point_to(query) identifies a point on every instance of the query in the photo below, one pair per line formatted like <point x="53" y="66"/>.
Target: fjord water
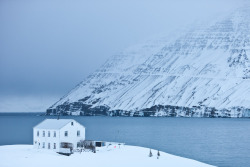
<point x="220" y="142"/>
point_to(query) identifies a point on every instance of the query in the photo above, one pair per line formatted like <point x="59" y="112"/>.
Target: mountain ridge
<point x="203" y="73"/>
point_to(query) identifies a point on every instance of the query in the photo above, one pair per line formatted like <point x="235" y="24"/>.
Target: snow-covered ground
<point x="126" y="156"/>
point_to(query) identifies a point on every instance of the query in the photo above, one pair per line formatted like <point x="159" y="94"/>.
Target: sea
<point x="223" y="142"/>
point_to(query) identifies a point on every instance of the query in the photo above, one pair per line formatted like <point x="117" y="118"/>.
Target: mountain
<point x="205" y="72"/>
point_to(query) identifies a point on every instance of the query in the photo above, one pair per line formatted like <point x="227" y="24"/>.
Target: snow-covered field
<point x="126" y="156"/>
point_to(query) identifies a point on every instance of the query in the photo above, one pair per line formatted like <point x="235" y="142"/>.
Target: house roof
<point x="53" y="123"/>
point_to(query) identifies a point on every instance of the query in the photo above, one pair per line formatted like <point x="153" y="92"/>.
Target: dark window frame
<point x="66" y="134"/>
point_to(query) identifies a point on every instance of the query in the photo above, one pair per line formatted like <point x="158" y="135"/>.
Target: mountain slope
<point x="205" y="72"/>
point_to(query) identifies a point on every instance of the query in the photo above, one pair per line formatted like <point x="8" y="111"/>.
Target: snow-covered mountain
<point x="204" y="73"/>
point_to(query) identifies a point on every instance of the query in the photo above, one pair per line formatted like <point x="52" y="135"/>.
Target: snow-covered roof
<point x="53" y="123"/>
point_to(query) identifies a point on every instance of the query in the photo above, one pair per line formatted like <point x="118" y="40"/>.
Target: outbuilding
<point x="60" y="135"/>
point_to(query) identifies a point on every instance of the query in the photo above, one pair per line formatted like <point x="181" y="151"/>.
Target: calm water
<point x="221" y="142"/>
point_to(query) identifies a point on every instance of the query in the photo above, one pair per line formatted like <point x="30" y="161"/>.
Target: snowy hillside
<point x="203" y="73"/>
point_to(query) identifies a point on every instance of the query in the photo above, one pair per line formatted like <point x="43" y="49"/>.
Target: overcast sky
<point x="49" y="46"/>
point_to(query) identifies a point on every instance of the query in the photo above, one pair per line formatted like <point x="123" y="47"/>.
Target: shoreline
<point x="41" y="114"/>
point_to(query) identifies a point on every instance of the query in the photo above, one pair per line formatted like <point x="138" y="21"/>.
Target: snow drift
<point x="27" y="156"/>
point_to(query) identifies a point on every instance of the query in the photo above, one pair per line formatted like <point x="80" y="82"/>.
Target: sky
<point x="48" y="46"/>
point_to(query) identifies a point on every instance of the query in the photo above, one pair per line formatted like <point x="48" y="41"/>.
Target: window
<point x="54" y="133"/>
<point x="72" y="123"/>
<point x="48" y="145"/>
<point x="48" y="133"/>
<point x="54" y="145"/>
<point x="66" y="133"/>
<point x="37" y="133"/>
<point x="43" y="144"/>
<point x="43" y="133"/>
<point x="78" y="133"/>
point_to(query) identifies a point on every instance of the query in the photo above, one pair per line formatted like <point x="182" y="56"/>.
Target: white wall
<point x="60" y="137"/>
<point x="40" y="139"/>
<point x="72" y="133"/>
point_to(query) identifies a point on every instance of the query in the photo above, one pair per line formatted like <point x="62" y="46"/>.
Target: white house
<point x="58" y="134"/>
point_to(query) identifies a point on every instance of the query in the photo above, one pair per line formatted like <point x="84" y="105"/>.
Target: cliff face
<point x="205" y="72"/>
